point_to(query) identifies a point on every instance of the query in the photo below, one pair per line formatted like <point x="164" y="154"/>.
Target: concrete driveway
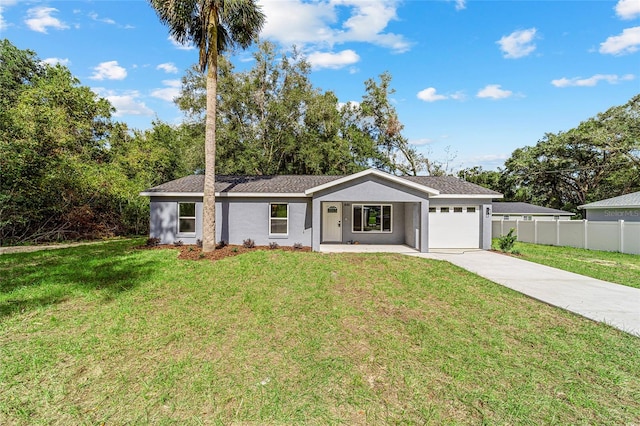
<point x="613" y="304"/>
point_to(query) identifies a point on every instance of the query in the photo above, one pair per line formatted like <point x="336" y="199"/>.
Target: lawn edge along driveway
<point x="613" y="304"/>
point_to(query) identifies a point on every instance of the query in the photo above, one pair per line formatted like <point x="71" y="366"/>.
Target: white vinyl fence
<point x="620" y="236"/>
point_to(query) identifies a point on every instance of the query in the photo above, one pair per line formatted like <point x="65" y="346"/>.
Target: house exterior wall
<point x="240" y="218"/>
<point x="614" y="214"/>
<point x="236" y="220"/>
<point x="164" y="219"/>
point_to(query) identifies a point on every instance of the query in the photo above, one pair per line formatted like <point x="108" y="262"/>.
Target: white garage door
<point x="454" y="227"/>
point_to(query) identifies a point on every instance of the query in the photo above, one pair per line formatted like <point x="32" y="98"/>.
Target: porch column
<point x="424" y="226"/>
<point x="315" y="224"/>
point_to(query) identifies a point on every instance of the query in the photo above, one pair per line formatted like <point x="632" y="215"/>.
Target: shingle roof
<point x="526" y="209"/>
<point x="297" y="184"/>
<point x="631" y="200"/>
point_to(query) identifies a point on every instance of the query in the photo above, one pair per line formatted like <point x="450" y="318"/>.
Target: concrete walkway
<point x="613" y="304"/>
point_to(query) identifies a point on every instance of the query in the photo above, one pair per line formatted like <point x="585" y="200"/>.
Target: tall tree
<point x="214" y="26"/>
<point x="598" y="159"/>
<point x="272" y="120"/>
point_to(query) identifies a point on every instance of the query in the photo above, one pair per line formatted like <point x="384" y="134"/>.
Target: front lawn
<point x="110" y="334"/>
<point x="614" y="267"/>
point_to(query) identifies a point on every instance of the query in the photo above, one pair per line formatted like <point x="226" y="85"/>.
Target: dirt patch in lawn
<point x="194" y="252"/>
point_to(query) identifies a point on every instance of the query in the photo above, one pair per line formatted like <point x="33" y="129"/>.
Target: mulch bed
<point x="193" y="252"/>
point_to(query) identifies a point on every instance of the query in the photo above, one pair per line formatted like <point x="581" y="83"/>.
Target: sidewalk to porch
<point x="366" y="248"/>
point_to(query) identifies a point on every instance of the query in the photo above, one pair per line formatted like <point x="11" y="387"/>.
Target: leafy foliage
<point x="598" y="159"/>
<point x="507" y="241"/>
<point x="67" y="170"/>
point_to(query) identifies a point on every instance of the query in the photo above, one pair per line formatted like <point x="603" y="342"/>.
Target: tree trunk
<point x="209" y="199"/>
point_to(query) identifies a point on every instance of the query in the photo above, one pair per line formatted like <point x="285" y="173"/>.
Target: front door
<point x="331" y="222"/>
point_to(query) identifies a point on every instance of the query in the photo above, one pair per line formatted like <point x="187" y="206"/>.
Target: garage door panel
<point x="455" y="228"/>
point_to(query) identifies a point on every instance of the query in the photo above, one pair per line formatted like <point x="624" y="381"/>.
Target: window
<point x="371" y="218"/>
<point x="527" y="217"/>
<point x="471" y="209"/>
<point x="186" y="218"/>
<point x="505" y="217"/>
<point x="432" y="209"/>
<point x="444" y="209"/>
<point x="457" y="209"/>
<point x="279" y="219"/>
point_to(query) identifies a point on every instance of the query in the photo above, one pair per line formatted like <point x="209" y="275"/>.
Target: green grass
<point x="614" y="267"/>
<point x="109" y="334"/>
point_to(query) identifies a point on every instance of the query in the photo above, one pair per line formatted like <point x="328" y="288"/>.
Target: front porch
<point x="367" y="248"/>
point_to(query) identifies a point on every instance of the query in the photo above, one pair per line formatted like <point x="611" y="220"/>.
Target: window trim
<point x="286" y="219"/>
<point x="181" y="233"/>
<point x="382" y="206"/>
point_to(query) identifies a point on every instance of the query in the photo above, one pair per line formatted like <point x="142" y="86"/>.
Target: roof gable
<point x="372" y="172"/>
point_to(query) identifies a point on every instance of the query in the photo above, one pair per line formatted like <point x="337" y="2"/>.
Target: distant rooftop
<point x="631" y="200"/>
<point x="515" y="208"/>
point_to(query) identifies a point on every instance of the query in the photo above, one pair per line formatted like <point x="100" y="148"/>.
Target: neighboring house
<point x="625" y="207"/>
<point x="369" y="207"/>
<point x="525" y="211"/>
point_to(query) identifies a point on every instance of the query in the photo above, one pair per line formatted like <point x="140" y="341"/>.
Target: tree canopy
<point x="598" y="159"/>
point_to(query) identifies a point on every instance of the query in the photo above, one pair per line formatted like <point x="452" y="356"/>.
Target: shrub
<point x="178" y="243"/>
<point x="248" y="243"/>
<point x="153" y="241"/>
<point x="273" y="245"/>
<point x="506" y="242"/>
<point x="298" y="246"/>
<point x="221" y="244"/>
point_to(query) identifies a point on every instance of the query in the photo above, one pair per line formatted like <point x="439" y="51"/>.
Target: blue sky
<point x="477" y="79"/>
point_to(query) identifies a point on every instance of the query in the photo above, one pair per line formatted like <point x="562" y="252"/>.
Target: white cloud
<point x="110" y="71"/>
<point x="95" y="17"/>
<point x="168" y="93"/>
<point x="461" y="4"/>
<point x="627" y="42"/>
<point x="55" y="61"/>
<point x="591" y="81"/>
<point x="429" y="95"/>
<point x="39" y="19"/>
<point x="333" y="60"/>
<point x="494" y="91"/>
<point x="3" y="24"/>
<point x="317" y="23"/>
<point x="168" y="67"/>
<point x="628" y="9"/>
<point x="518" y="44"/>
<point x="179" y="45"/>
<point x="126" y="103"/>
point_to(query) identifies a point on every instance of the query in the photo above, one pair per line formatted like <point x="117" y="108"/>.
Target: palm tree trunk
<point x="209" y="199"/>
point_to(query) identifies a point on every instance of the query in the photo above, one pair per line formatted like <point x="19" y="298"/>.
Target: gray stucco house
<point x="507" y="210"/>
<point x="369" y="207"/>
<point x="625" y="207"/>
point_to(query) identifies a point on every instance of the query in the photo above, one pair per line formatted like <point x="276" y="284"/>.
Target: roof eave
<point x="472" y="196"/>
<point x="227" y="194"/>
